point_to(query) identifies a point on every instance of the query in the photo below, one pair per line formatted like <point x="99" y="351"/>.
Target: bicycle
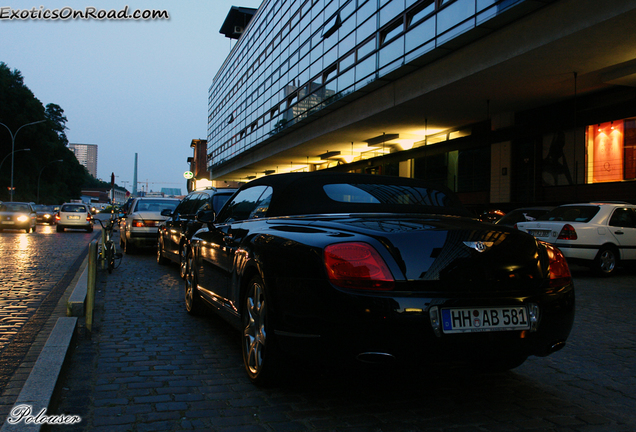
<point x="108" y="254"/>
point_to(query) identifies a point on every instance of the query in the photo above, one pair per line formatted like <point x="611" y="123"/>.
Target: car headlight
<point x="23" y="218"/>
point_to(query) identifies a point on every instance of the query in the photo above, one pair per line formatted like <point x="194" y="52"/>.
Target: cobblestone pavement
<point x="35" y="270"/>
<point x="149" y="366"/>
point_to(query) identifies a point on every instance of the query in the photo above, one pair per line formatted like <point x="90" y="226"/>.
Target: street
<point x="151" y="366"/>
<point x="35" y="269"/>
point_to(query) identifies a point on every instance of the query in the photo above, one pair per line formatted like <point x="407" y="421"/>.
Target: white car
<point x="598" y="235"/>
<point x="75" y="216"/>
<point x="140" y="224"/>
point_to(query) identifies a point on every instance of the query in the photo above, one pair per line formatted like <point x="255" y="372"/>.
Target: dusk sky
<point x="128" y="86"/>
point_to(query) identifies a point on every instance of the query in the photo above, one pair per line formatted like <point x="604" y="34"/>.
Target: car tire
<point x="161" y="260"/>
<point x="183" y="261"/>
<point x="606" y="261"/>
<point x="260" y="354"/>
<point x="193" y="302"/>
<point x="59" y="229"/>
<point x="89" y="229"/>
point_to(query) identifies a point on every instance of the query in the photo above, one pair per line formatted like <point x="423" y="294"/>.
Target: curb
<point x="76" y="304"/>
<point x="37" y="392"/>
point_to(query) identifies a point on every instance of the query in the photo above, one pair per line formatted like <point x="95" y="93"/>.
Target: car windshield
<point x="14" y="208"/>
<point x="571" y="214"/>
<point x="384" y="194"/>
<point x="73" y="208"/>
<point x="155" y="205"/>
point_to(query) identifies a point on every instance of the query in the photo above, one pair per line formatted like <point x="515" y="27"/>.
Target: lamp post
<point x="13" y="149"/>
<point x="39" y="175"/>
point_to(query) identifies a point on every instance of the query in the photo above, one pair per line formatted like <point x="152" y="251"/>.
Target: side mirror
<point x="206" y="216"/>
<point x="166" y="212"/>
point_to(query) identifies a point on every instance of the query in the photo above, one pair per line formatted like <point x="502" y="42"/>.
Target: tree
<point x="36" y="169"/>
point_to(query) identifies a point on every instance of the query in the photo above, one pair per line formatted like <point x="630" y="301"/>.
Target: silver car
<point x="75" y="216"/>
<point x="140" y="224"/>
<point x="17" y="215"/>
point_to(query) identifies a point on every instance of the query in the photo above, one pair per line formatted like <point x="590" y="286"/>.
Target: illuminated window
<point x="610" y="151"/>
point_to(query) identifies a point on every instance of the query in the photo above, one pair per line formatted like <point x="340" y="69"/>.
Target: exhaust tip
<point x="375" y="357"/>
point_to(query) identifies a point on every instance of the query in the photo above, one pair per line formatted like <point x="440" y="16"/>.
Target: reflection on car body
<point x="174" y="234"/>
<point x="374" y="267"/>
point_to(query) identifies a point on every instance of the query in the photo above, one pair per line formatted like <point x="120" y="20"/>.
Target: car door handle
<point x="619" y="232"/>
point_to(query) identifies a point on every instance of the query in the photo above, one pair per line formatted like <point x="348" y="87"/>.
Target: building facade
<point x="507" y="102"/>
<point x="86" y="154"/>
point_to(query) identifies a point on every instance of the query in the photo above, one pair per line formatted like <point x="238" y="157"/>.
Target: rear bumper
<point x="143" y="238"/>
<point x="400" y="328"/>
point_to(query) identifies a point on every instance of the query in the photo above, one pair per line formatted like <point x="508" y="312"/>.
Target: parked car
<point x="175" y="233"/>
<point x="45" y="214"/>
<point x="74" y="216"/>
<point x="374" y="268"/>
<point x="140" y="224"/>
<point x="525" y="214"/>
<point x="598" y="235"/>
<point x="17" y="215"/>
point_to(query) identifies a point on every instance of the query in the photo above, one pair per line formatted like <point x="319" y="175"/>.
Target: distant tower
<point x="134" y="185"/>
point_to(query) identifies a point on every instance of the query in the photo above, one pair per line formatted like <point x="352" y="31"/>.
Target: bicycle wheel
<point x="110" y="256"/>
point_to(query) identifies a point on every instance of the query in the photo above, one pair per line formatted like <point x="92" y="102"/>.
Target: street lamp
<point x="38" y="198"/>
<point x="13" y="148"/>
<point x="15" y="151"/>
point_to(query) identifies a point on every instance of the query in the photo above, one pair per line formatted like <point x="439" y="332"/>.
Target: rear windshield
<point x="73" y="208"/>
<point x="571" y="214"/>
<point x="155" y="205"/>
<point x="385" y="194"/>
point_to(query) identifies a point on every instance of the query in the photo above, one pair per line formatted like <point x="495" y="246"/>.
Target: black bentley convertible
<point x="374" y="268"/>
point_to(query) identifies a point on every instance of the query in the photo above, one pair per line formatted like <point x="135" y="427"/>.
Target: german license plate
<point x="74" y="217"/>
<point x="539" y="233"/>
<point x="471" y="320"/>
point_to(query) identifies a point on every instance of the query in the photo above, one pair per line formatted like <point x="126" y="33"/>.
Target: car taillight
<point x="57" y="216"/>
<point x="567" y="233"/>
<point x="138" y="223"/>
<point x="558" y="268"/>
<point x="357" y="265"/>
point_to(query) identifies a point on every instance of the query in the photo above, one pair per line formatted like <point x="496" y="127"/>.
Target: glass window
<point x="365" y="68"/>
<point x="247" y="204"/>
<point x="347" y="61"/>
<point x="624" y="218"/>
<point x="391" y="52"/>
<point x="391" y="32"/>
<point x="367" y="29"/>
<point x="420" y="34"/>
<point x="365" y="11"/>
<point x="455" y="14"/>
<point x="390" y="11"/>
<point x="366" y="49"/>
<point x="571" y="213"/>
<point x="385" y="194"/>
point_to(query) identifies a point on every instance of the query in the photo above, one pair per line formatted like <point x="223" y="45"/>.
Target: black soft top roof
<point x="303" y="193"/>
